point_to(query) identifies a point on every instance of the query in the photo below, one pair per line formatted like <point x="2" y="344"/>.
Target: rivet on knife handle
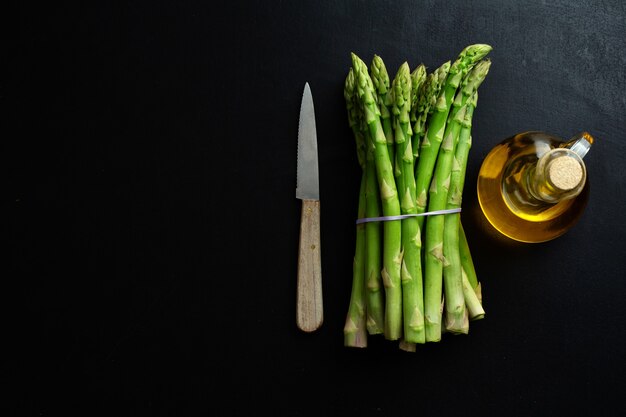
<point x="309" y="308"/>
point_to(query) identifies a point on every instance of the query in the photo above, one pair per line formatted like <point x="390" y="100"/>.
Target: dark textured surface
<point x="153" y="224"/>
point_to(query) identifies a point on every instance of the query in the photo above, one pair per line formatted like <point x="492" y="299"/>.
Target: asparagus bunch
<point x="413" y="136"/>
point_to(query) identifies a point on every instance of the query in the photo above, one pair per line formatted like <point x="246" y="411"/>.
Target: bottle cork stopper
<point x="565" y="173"/>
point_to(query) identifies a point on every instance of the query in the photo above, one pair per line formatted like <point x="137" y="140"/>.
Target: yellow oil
<point x="505" y="198"/>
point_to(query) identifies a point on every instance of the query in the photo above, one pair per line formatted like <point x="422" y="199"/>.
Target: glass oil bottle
<point x="533" y="187"/>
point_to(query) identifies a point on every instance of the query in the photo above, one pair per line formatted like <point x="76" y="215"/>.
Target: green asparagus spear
<point x="412" y="295"/>
<point x="433" y="235"/>
<point x="466" y="256"/>
<point x="452" y="269"/>
<point x="392" y="256"/>
<point x="458" y="290"/>
<point x="473" y="302"/>
<point x="381" y="81"/>
<point x="480" y="72"/>
<point x="429" y="147"/>
<point x="374" y="296"/>
<point x="355" y="333"/>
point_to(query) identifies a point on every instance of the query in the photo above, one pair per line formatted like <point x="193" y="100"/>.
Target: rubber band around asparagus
<point x="407" y="215"/>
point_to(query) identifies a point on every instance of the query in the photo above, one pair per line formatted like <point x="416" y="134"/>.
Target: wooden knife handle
<point x="309" y="309"/>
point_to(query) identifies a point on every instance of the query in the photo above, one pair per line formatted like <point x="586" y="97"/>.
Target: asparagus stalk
<point x="455" y="279"/>
<point x="381" y="81"/>
<point x="455" y="308"/>
<point x="426" y="100"/>
<point x="473" y="302"/>
<point x="355" y="333"/>
<point x="374" y="296"/>
<point x="468" y="264"/>
<point x="374" y="300"/>
<point x="429" y="147"/>
<point x="392" y="256"/>
<point x="452" y="269"/>
<point x="433" y="255"/>
<point x="466" y="256"/>
<point x="411" y="275"/>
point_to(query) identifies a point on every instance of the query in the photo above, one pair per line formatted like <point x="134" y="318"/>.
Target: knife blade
<point x="309" y="303"/>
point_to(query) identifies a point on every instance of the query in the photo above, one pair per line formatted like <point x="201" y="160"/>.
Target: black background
<point x="150" y="154"/>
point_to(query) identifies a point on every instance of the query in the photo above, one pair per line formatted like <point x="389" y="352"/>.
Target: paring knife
<point x="309" y="305"/>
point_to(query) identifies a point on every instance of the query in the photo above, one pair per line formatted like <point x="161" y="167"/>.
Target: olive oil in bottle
<point x="533" y="186"/>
